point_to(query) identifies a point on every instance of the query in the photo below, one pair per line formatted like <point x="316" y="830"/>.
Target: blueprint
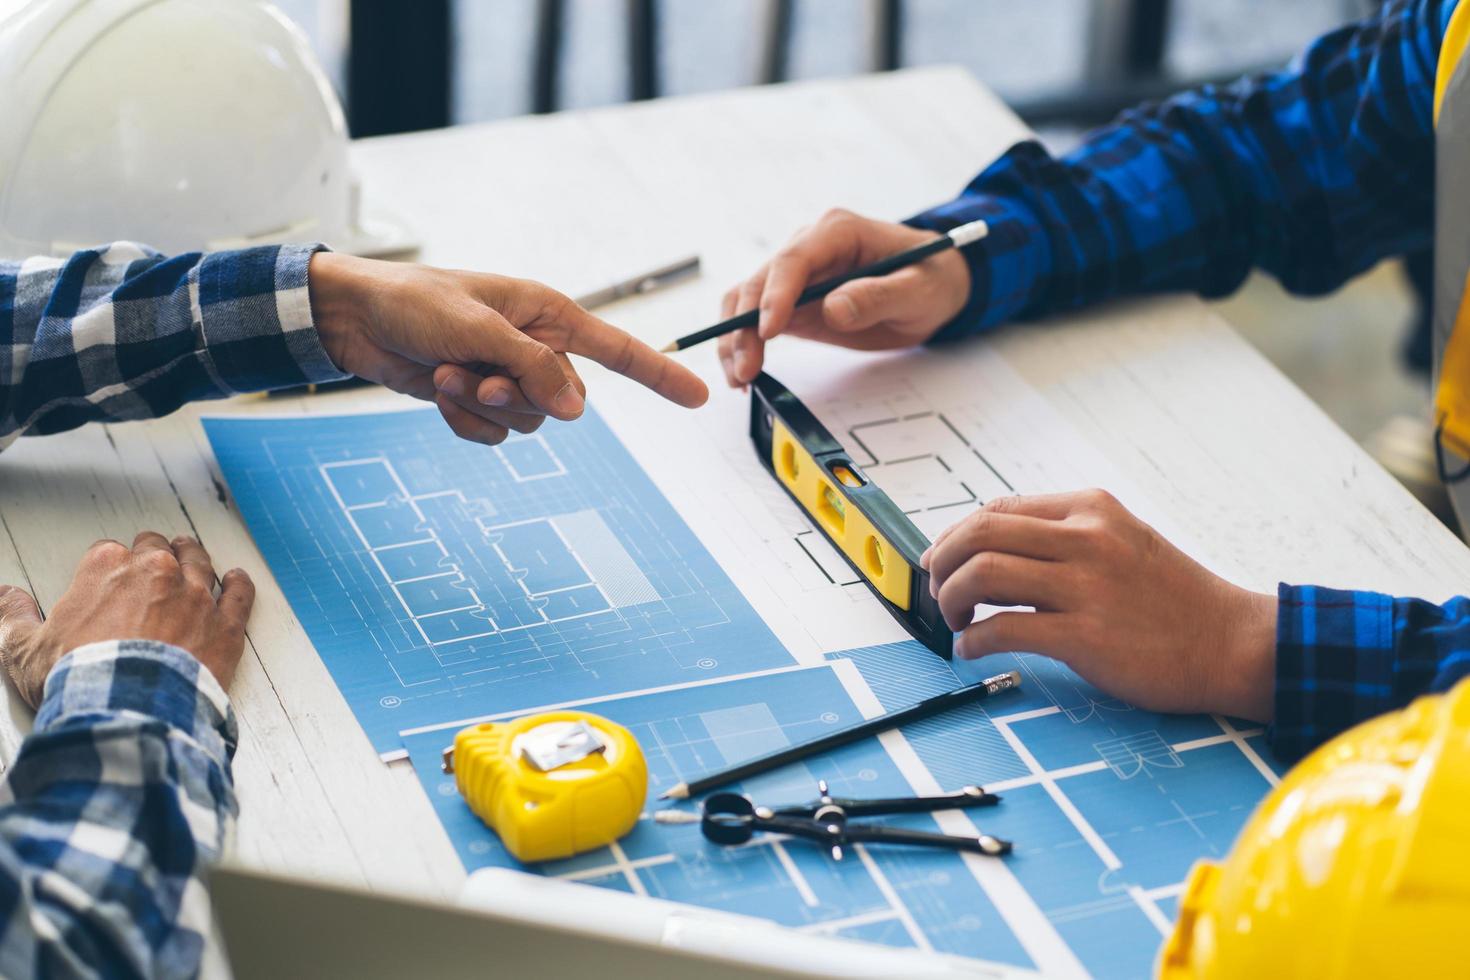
<point x="445" y="583"/>
<point x="441" y="579"/>
<point x="1107" y="806"/>
<point x="907" y="897"/>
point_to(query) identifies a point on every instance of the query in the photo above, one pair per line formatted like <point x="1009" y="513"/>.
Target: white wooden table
<point x="1268" y="487"/>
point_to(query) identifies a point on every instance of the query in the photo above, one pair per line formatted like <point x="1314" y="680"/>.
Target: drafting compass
<point x="731" y="819"/>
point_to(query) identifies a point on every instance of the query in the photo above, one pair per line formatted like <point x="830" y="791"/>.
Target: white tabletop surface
<point x="1266" y="485"/>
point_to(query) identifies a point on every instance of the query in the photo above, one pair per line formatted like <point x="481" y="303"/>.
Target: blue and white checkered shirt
<point x="120" y="332"/>
<point x="115" y="805"/>
<point x="122" y="795"/>
<point x="1313" y="173"/>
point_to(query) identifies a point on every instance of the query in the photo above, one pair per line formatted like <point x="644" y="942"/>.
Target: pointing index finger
<point x="620" y="351"/>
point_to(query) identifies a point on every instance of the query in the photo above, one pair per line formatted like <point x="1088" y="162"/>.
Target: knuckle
<point x="789" y="255"/>
<point x="1098" y="499"/>
<point x="836" y="216"/>
<point x="106" y="548"/>
<point x="159" y="563"/>
<point x="545" y="359"/>
<point x="1000" y="505"/>
<point x="982" y="524"/>
<point x="1090" y="531"/>
<point x="872" y="293"/>
<point x="555" y="304"/>
<point x="622" y="361"/>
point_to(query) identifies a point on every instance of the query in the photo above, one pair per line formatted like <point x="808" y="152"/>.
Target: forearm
<point x="119" y="333"/>
<point x="1345" y="657"/>
<point x="111" y="812"/>
<point x="1313" y="173"/>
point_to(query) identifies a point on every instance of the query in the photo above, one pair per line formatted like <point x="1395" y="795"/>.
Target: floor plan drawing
<point x="445" y="584"/>
<point x="1110" y="805"/>
<point x="920" y="460"/>
<point x="1107" y="809"/>
<point x="909" y="897"/>
<point x="439" y="579"/>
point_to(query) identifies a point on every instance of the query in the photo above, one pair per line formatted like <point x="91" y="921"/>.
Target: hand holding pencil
<point x="871" y="312"/>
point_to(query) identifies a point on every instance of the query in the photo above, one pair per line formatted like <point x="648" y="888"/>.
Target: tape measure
<point x="551" y="785"/>
<point x="877" y="538"/>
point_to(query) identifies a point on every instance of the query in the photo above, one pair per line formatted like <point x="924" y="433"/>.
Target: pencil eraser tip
<point x="968" y="233"/>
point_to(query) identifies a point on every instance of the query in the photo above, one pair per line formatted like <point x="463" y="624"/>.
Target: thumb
<point x="20" y="617"/>
<point x="865" y="303"/>
<point x="542" y="378"/>
<point x="19" y="614"/>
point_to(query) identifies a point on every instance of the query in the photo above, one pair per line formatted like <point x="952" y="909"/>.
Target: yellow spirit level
<point x="877" y="539"/>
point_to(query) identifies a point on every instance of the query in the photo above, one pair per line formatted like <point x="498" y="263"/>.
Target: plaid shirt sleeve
<point x="114" y="806"/>
<point x="1313" y="173"/>
<point x="1344" y="657"/>
<point x="121" y="332"/>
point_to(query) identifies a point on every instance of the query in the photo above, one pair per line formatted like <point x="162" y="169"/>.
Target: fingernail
<point x="924" y="558"/>
<point x="453" y="385"/>
<point x="498" y="397"/>
<point x="844" y="309"/>
<point x="569" y="400"/>
<point x="741" y="359"/>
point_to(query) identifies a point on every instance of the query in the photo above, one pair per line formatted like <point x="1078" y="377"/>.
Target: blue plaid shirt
<point x="115" y="804"/>
<point x="1313" y="174"/>
<point x="122" y="795"/>
<point x="121" y="332"/>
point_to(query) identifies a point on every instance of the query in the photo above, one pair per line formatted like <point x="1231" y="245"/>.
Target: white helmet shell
<point x="184" y="124"/>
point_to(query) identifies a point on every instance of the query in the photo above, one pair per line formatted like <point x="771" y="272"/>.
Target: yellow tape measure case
<point x="551" y="785"/>
<point x="875" y="537"/>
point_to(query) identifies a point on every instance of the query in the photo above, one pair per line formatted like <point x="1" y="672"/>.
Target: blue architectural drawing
<point x="1104" y="833"/>
<point x="1109" y="805"/>
<point x="442" y="581"/>
<point x="439" y="579"/>
<point x="898" y="896"/>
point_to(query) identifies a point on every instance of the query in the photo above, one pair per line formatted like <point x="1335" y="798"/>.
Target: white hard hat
<point x="184" y="124"/>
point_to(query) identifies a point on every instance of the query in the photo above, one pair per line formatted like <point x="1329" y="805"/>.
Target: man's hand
<point x="901" y="309"/>
<point x="1114" y="601"/>
<point x="155" y="590"/>
<point x="490" y="351"/>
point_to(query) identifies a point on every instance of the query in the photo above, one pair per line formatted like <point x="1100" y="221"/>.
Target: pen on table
<point x="645" y="282"/>
<point x="955" y="238"/>
<point x="871" y="726"/>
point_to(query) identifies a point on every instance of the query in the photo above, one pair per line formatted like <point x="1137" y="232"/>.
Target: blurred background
<point x="1064" y="65"/>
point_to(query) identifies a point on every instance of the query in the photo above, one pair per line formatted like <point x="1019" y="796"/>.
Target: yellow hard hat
<point x="1357" y="865"/>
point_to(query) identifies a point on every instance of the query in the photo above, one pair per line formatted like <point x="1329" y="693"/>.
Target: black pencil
<point x="872" y="726"/>
<point x="955" y="238"/>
